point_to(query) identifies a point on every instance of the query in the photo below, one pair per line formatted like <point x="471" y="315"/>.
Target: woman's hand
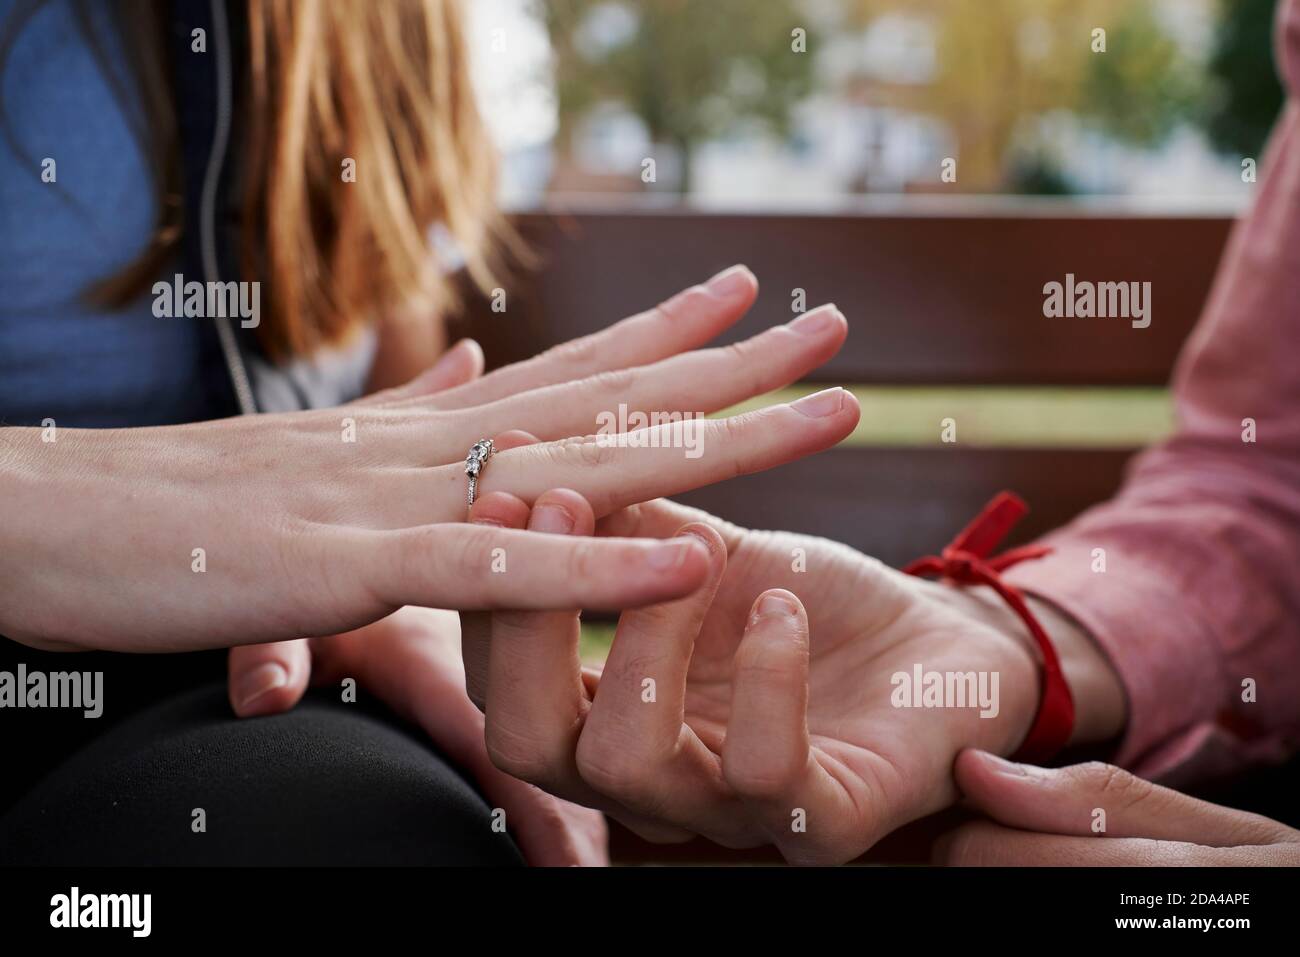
<point x="411" y="661"/>
<point x="274" y="527"/>
<point x="737" y="714"/>
<point x="1096" y="814"/>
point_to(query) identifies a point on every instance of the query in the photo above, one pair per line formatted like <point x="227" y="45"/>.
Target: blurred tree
<point x="1001" y="64"/>
<point x="1143" y="86"/>
<point x="692" y="70"/>
<point x="1247" y="95"/>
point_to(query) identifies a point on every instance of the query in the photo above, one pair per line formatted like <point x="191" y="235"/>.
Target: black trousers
<point x="327" y="783"/>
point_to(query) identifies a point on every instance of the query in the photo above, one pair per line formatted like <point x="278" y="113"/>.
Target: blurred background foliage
<point x="719" y="93"/>
<point x="1246" y="96"/>
<point x="693" y="69"/>
<point x="1004" y="63"/>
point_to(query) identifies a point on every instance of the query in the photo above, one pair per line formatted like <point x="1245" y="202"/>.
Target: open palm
<point x="737" y="714"/>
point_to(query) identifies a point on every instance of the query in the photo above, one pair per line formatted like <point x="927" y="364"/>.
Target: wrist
<point x="1099" y="700"/>
<point x="1100" y="704"/>
<point x="29" y="513"/>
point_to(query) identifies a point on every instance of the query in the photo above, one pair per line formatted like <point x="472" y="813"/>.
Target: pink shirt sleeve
<point x="1201" y="588"/>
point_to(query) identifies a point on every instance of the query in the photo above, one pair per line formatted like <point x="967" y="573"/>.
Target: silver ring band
<point x="479" y="453"/>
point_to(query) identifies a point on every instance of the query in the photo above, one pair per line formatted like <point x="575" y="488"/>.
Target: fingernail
<point x="699" y="537"/>
<point x="668" y="555"/>
<point x="775" y="606"/>
<point x="472" y="347"/>
<point x="261" y="680"/>
<point x="455" y="353"/>
<point x="1003" y="766"/>
<point x="731" y="282"/>
<point x="820" y="404"/>
<point x="552" y="519"/>
<point x="816" y="322"/>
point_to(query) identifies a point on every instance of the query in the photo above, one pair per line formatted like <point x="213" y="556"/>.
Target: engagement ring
<point x="479" y="453"/>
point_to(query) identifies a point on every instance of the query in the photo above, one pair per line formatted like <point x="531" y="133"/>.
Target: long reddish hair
<point x="387" y="86"/>
<point x="382" y="87"/>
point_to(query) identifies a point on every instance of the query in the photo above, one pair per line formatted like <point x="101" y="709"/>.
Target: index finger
<point x="470" y="567"/>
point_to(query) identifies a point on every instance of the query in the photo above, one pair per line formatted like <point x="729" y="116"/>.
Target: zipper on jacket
<point x="208" y="206"/>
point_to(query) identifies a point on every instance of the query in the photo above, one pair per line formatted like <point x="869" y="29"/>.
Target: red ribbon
<point x="966" y="561"/>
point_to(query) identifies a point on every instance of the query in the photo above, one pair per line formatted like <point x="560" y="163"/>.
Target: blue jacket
<point x="78" y="203"/>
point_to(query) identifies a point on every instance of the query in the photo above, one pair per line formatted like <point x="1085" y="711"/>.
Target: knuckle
<point x="576" y="353"/>
<point x="767" y="662"/>
<point x="562" y="453"/>
<point x="614" y="381"/>
<point x="744" y="362"/>
<point x="729" y="430"/>
<point x="739" y="353"/>
<point x="765" y="777"/>
<point x="614" y="768"/>
<point x="1110" y="779"/>
<point x="1113" y="783"/>
<point x="734" y="432"/>
<point x="514" y="627"/>
<point x="587" y="454"/>
<point x="405" y="560"/>
<point x="750" y="362"/>
<point x="532" y="757"/>
<point x="415" y="554"/>
<point x="683" y="303"/>
<point x="626" y="677"/>
<point x="446" y="554"/>
<point x="553" y="455"/>
<point x="457" y="552"/>
<point x="583" y="564"/>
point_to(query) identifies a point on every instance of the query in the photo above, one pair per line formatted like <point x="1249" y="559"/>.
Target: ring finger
<point x="612" y="473"/>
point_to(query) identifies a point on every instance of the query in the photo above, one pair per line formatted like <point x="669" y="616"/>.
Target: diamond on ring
<point x="479" y="453"/>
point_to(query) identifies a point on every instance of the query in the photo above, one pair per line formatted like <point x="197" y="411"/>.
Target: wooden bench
<point x="931" y="299"/>
<point x="947" y="296"/>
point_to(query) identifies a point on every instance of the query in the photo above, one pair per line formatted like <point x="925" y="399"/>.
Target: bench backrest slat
<point x="931" y="300"/>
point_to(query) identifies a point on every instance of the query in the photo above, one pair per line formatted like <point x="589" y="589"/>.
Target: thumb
<point x="1096" y="798"/>
<point x="767" y="755"/>
<point x="268" y="679"/>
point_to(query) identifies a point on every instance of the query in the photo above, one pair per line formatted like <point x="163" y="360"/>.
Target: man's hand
<point x="411" y="661"/>
<point x="737" y="714"/>
<point x="1096" y="814"/>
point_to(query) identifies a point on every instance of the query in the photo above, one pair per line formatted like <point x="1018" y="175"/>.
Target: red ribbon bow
<point x="966" y="561"/>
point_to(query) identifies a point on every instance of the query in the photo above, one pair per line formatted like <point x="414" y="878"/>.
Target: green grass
<point x="597" y="636"/>
<point x="1001" y="417"/>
